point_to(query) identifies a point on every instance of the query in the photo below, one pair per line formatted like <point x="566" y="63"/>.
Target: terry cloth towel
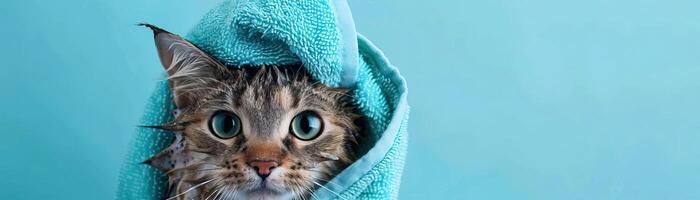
<point x="320" y="35"/>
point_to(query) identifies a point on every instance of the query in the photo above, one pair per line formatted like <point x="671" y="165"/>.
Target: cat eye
<point x="224" y="124"/>
<point x="306" y="125"/>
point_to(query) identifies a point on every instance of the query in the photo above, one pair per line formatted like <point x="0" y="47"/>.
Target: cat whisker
<point x="224" y="193"/>
<point x="324" y="187"/>
<point x="199" y="163"/>
<point x="192" y="188"/>
<point x="184" y="168"/>
<point x="295" y="194"/>
<point x="218" y="194"/>
<point x="235" y="194"/>
<point x="298" y="193"/>
<point x="311" y="191"/>
<point x="216" y="189"/>
<point x="328" y="181"/>
<point x="212" y="193"/>
<point x="319" y="171"/>
<point x="231" y="193"/>
<point x="203" y="170"/>
<point x="313" y="196"/>
<point x="165" y="127"/>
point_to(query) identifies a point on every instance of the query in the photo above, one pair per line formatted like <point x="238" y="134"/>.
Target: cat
<point x="255" y="132"/>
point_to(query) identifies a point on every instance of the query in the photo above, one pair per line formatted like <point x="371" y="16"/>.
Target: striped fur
<point x="266" y="98"/>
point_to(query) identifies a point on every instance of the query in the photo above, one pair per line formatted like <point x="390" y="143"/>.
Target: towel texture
<point x="321" y="36"/>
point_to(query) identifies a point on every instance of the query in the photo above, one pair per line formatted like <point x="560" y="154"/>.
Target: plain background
<point x="538" y="99"/>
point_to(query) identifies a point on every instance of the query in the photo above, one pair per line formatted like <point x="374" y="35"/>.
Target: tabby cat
<point x="256" y="132"/>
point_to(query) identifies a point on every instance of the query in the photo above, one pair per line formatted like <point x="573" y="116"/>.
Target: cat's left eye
<point x="307" y="125"/>
<point x="224" y="124"/>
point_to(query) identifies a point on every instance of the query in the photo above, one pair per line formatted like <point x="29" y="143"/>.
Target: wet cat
<point x="264" y="132"/>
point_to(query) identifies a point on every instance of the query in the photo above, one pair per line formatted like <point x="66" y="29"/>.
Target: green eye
<point x="307" y="125"/>
<point x="224" y="124"/>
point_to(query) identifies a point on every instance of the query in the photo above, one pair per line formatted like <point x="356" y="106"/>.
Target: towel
<point x="320" y="35"/>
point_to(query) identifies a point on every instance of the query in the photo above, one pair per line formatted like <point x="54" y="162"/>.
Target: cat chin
<point x="265" y="194"/>
<point x="264" y="190"/>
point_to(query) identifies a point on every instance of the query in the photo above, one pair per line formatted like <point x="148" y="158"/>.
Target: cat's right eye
<point x="224" y="124"/>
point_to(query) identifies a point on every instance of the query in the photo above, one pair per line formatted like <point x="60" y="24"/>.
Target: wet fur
<point x="200" y="165"/>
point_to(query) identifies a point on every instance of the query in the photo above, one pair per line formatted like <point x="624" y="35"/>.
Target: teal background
<point x="539" y="99"/>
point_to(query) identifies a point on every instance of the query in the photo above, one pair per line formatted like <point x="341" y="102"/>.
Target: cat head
<point x="266" y="132"/>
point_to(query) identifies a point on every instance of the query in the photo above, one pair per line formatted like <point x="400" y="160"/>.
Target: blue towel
<point x="320" y="35"/>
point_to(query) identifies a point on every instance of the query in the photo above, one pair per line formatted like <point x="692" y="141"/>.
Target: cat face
<point x="263" y="133"/>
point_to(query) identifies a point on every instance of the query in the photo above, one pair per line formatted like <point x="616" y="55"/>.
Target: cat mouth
<point x="264" y="190"/>
<point x="266" y="186"/>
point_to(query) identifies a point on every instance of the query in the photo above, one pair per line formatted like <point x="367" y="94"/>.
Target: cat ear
<point x="190" y="70"/>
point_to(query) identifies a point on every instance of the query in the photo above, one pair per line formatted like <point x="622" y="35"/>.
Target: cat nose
<point x="263" y="168"/>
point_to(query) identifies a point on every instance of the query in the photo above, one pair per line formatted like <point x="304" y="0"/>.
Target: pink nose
<point x="263" y="167"/>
